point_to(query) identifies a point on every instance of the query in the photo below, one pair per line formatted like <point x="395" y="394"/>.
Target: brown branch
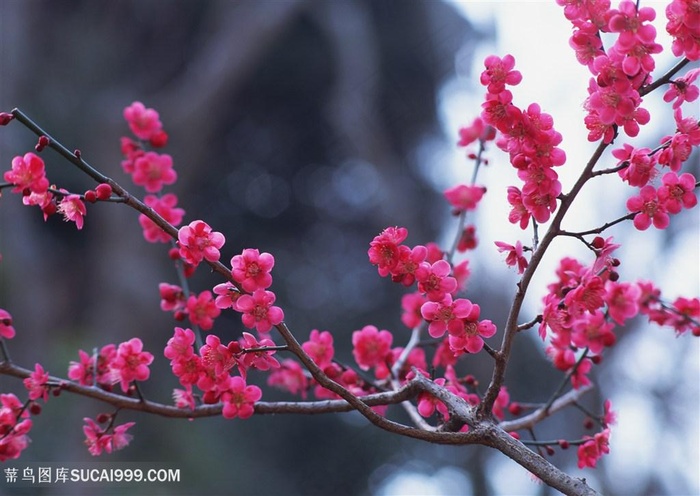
<point x="530" y="420"/>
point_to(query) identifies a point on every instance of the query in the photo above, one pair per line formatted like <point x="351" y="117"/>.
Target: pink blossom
<point x="688" y="126"/>
<point x="686" y="315"/>
<point x="603" y="251"/>
<point x="37" y="384"/>
<point x="593" y="449"/>
<point x="217" y="358"/>
<point x="290" y="377"/>
<point x="411" y="304"/>
<point x="239" y="399"/>
<point x="165" y="207"/>
<point x="684" y="26"/>
<point x="27" y="173"/>
<point x="143" y="122"/>
<point x="683" y="90"/>
<point x="320" y="347"/>
<point x="6" y="329"/>
<point x="251" y="269"/>
<point x="172" y="298"/>
<point x="578" y="12"/>
<point x="609" y="416"/>
<point x="409" y="260"/>
<point x="515" y="255"/>
<point x="468" y="239"/>
<point x="592" y="331"/>
<point x="461" y="273"/>
<point x="184" y="398"/>
<point x="73" y="209"/>
<point x="519" y="214"/>
<point x="152" y="170"/>
<point x="446" y="315"/>
<point x="14" y="425"/>
<point x="636" y="42"/>
<point x="427" y="403"/>
<point x="87" y="373"/>
<point x="181" y="345"/>
<point x="629" y="22"/>
<point x="501" y="403"/>
<point x="188" y="369"/>
<point x="477" y="130"/>
<point x="435" y="280"/>
<point x="415" y="358"/>
<point x="131" y="363"/>
<point x="120" y="439"/>
<point x="639" y="164"/>
<point x="198" y="241"/>
<point x="541" y="201"/>
<point x="99" y="440"/>
<point x="202" y="310"/>
<point x="586" y="296"/>
<point x="464" y="197"/>
<point x="676" y="150"/>
<point x="259" y="360"/>
<point x="96" y="439"/>
<point x="227" y="295"/>
<point x="370" y="346"/>
<point x="587" y="44"/>
<point x="384" y="249"/>
<point x="648" y="208"/>
<point x="258" y="311"/>
<point x="622" y="300"/>
<point x="498" y="111"/>
<point x="444" y="356"/>
<point x="677" y="192"/>
<point x="499" y="72"/>
<point x="470" y="337"/>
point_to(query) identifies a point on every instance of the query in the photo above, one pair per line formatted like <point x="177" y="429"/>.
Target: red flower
<point x="258" y="311"/>
<point x="131" y="363"/>
<point x="37" y="384"/>
<point x="251" y="269"/>
<point x="239" y="399"/>
<point x="198" y="241"/>
<point x="371" y="346"/>
<point x="152" y="170"/>
<point x="648" y="208"/>
<point x="143" y="122"/>
<point x="6" y="329"/>
<point x="384" y="249"/>
<point x="202" y="310"/>
<point x="165" y="207"/>
<point x="320" y="347"/>
<point x="595" y="447"/>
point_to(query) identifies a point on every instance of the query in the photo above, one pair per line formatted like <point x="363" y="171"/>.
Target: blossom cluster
<point x="28" y="178"/>
<point x="531" y="141"/>
<point x="210" y="369"/>
<point x="15" y="424"/>
<point x="639" y="166"/>
<point x="121" y="364"/>
<point x="434" y="300"/>
<point x="111" y="438"/>
<point x="582" y="308"/>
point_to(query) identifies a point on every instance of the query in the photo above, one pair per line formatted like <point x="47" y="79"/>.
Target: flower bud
<point x="5" y="118"/>
<point x="90" y="196"/>
<point x="104" y="191"/>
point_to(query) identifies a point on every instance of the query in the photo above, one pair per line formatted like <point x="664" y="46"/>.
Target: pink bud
<point x="104" y="191"/>
<point x="42" y="143"/>
<point x="90" y="196"/>
<point x="5" y="118"/>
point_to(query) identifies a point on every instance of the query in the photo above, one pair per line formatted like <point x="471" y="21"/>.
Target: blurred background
<point x="303" y="128"/>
